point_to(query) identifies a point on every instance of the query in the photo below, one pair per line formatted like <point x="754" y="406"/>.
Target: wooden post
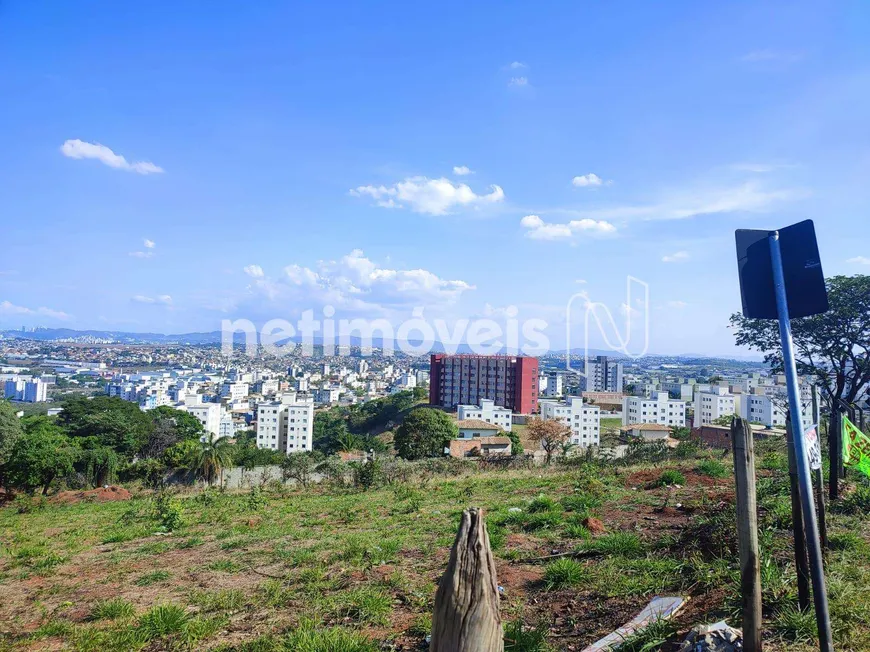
<point x="834" y="447"/>
<point x="747" y="532"/>
<point x="820" y="506"/>
<point x="466" y="617"/>
<point x="797" y="519"/>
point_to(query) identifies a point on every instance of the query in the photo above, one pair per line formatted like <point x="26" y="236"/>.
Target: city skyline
<point x="257" y="162"/>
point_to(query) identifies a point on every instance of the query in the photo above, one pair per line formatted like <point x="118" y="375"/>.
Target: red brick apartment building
<point x="508" y="380"/>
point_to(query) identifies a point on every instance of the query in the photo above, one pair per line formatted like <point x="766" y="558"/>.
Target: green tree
<point x="833" y="347"/>
<point x="299" y="466"/>
<point x="115" y="423"/>
<point x="213" y="456"/>
<point x="170" y="427"/>
<point x="10" y="432"/>
<point x="516" y="444"/>
<point x="424" y="433"/>
<point x="181" y="455"/>
<point x="40" y="455"/>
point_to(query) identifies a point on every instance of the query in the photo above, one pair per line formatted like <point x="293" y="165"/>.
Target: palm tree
<point x="213" y="455"/>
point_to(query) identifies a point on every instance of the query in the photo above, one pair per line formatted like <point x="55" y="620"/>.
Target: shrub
<point x="170" y="513"/>
<point x="563" y="573"/>
<point x="671" y="477"/>
<point x="112" y="609"/>
<point x="712" y="468"/>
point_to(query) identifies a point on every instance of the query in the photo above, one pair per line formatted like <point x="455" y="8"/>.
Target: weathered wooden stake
<point x="747" y="532"/>
<point x="466" y="617"/>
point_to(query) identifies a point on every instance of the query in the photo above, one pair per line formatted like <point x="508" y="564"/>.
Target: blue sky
<point x="464" y="157"/>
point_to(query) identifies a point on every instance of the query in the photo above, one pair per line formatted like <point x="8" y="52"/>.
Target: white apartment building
<point x="712" y="404"/>
<point x="327" y="395"/>
<point x="27" y="389"/>
<point x="234" y="391"/>
<point x="583" y="419"/>
<point x="488" y="412"/>
<point x="285" y="426"/>
<point x="404" y="383"/>
<point x="656" y="409"/>
<point x="209" y="415"/>
<point x="764" y="409"/>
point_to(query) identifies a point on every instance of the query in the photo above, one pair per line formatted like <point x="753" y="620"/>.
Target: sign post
<point x="781" y="278"/>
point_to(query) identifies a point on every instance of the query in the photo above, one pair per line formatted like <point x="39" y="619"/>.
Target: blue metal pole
<point x="820" y="595"/>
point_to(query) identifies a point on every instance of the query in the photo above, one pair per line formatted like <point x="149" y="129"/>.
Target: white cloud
<point x="580" y="281"/>
<point x="750" y="197"/>
<point x="859" y="260"/>
<point x="676" y="257"/>
<point x="7" y="307"/>
<point x="517" y="65"/>
<point x="80" y="149"/>
<point x="587" y="180"/>
<point x="254" y="271"/>
<point x="356" y="283"/>
<point x="677" y="304"/>
<point x="141" y="254"/>
<point x="538" y="229"/>
<point x="429" y="196"/>
<point x="462" y="170"/>
<point x="518" y="82"/>
<point x="149" y="244"/>
<point x="162" y="299"/>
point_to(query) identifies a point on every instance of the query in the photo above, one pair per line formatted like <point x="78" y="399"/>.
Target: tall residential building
<point x="657" y="409"/>
<point x="209" y="415"/>
<point x="29" y="390"/>
<point x="712" y="404"/>
<point x="487" y="412"/>
<point x="509" y="381"/>
<point x="583" y="419"/>
<point x="602" y="374"/>
<point x="554" y="385"/>
<point x="234" y="391"/>
<point x="285" y="426"/>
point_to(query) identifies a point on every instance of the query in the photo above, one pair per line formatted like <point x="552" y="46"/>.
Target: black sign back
<point x="802" y="267"/>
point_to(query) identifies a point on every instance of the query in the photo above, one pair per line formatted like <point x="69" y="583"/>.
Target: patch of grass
<point x="792" y="624"/>
<point x="580" y="502"/>
<point x="112" y="609"/>
<point x="53" y="628"/>
<point x="518" y="638"/>
<point x="563" y="573"/>
<point x="224" y="600"/>
<point x="310" y="638"/>
<point x="225" y="566"/>
<point x="153" y="578"/>
<point x="540" y="504"/>
<point x="712" y="468"/>
<point x="364" y="605"/>
<point x="626" y="544"/>
<point x="671" y="477"/>
<point x="163" y="620"/>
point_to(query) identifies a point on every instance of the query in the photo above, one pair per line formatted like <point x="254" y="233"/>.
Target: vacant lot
<point x="329" y="569"/>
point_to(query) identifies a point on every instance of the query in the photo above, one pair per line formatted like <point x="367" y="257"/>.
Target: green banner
<point x="856" y="447"/>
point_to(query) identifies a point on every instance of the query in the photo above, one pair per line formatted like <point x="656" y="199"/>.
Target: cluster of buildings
<point x="278" y="404"/>
<point x="492" y="392"/>
<point x="24" y="388"/>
